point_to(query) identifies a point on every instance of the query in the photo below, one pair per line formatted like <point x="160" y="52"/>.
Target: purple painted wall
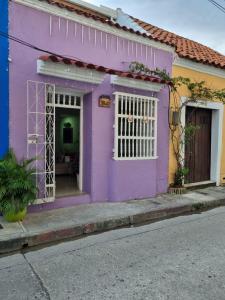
<point x="104" y="178"/>
<point x="128" y="179"/>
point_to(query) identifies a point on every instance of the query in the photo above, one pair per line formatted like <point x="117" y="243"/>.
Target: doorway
<point x="45" y="139"/>
<point x="67" y="151"/>
<point x="198" y="150"/>
<point x="68" y="143"/>
<point x="216" y="134"/>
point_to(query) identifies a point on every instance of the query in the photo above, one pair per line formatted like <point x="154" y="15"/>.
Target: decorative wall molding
<point x="63" y="13"/>
<point x="69" y="72"/>
<point x="136" y="83"/>
<point x="199" y="67"/>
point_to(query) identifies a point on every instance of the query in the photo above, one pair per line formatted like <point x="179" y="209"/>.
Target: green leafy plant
<point x="17" y="186"/>
<point x="137" y="67"/>
<point x="179" y="176"/>
<point x="189" y="132"/>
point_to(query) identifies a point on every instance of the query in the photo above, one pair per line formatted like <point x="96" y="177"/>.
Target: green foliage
<point x="197" y="90"/>
<point x="137" y="67"/>
<point x="17" y="186"/>
<point x="179" y="176"/>
<point x="162" y="74"/>
<point x="189" y="132"/>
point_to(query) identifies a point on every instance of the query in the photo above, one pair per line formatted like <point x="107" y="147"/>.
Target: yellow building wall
<point x="212" y="82"/>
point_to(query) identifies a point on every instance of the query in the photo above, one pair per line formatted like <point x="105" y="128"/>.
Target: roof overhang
<point x="71" y="72"/>
<point x="199" y="67"/>
<point x="67" y="68"/>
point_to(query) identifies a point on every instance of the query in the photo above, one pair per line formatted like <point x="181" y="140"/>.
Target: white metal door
<point x="41" y="136"/>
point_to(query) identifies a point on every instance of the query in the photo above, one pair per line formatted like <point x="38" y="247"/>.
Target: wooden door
<point x="198" y="150"/>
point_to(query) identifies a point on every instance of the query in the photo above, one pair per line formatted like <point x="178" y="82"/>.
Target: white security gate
<point x="41" y="136"/>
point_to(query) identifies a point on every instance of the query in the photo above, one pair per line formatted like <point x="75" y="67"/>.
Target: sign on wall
<point x="104" y="101"/>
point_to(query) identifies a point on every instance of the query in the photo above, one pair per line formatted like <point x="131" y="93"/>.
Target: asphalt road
<point x="181" y="258"/>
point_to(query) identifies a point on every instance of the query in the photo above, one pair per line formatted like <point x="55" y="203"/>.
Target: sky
<point x="198" y="20"/>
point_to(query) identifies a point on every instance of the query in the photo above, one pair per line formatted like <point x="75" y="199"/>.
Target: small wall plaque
<point x="104" y="101"/>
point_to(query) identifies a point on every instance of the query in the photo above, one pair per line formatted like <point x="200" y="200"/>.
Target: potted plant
<point x="17" y="187"/>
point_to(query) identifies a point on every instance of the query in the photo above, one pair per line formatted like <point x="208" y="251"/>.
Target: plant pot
<point x="177" y="190"/>
<point x="15" y="217"/>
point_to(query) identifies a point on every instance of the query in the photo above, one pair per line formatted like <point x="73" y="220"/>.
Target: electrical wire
<point x="216" y="4"/>
<point x="26" y="44"/>
<point x="5" y="35"/>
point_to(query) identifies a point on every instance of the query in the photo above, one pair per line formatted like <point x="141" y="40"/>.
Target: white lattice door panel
<point x="41" y="136"/>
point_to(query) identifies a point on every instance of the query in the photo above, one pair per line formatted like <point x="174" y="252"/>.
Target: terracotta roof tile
<point x="81" y="64"/>
<point x="184" y="47"/>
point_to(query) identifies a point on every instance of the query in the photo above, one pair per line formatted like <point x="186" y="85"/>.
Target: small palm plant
<point x="17" y="186"/>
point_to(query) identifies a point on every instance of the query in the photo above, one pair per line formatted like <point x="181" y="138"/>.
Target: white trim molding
<point x="216" y="134"/>
<point x="66" y="14"/>
<point x="69" y="72"/>
<point x="199" y="67"/>
<point x="136" y="83"/>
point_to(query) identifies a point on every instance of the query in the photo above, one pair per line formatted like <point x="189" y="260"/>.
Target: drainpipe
<point x="4" y="80"/>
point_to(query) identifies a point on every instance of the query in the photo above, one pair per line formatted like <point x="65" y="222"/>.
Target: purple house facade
<point x="100" y="132"/>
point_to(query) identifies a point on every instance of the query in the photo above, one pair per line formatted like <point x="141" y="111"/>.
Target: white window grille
<point x="135" y="127"/>
<point x="67" y="99"/>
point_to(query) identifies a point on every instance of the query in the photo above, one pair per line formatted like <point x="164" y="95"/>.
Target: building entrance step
<point x="199" y="185"/>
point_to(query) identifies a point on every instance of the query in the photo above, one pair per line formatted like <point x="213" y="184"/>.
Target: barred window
<point x="135" y="127"/>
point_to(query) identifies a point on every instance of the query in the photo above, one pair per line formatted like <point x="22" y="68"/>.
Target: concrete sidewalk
<point x="76" y="222"/>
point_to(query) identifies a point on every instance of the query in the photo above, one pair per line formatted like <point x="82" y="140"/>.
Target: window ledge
<point x="135" y="158"/>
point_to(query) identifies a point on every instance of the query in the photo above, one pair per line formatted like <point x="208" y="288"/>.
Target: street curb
<point x="204" y="205"/>
<point x="80" y="231"/>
